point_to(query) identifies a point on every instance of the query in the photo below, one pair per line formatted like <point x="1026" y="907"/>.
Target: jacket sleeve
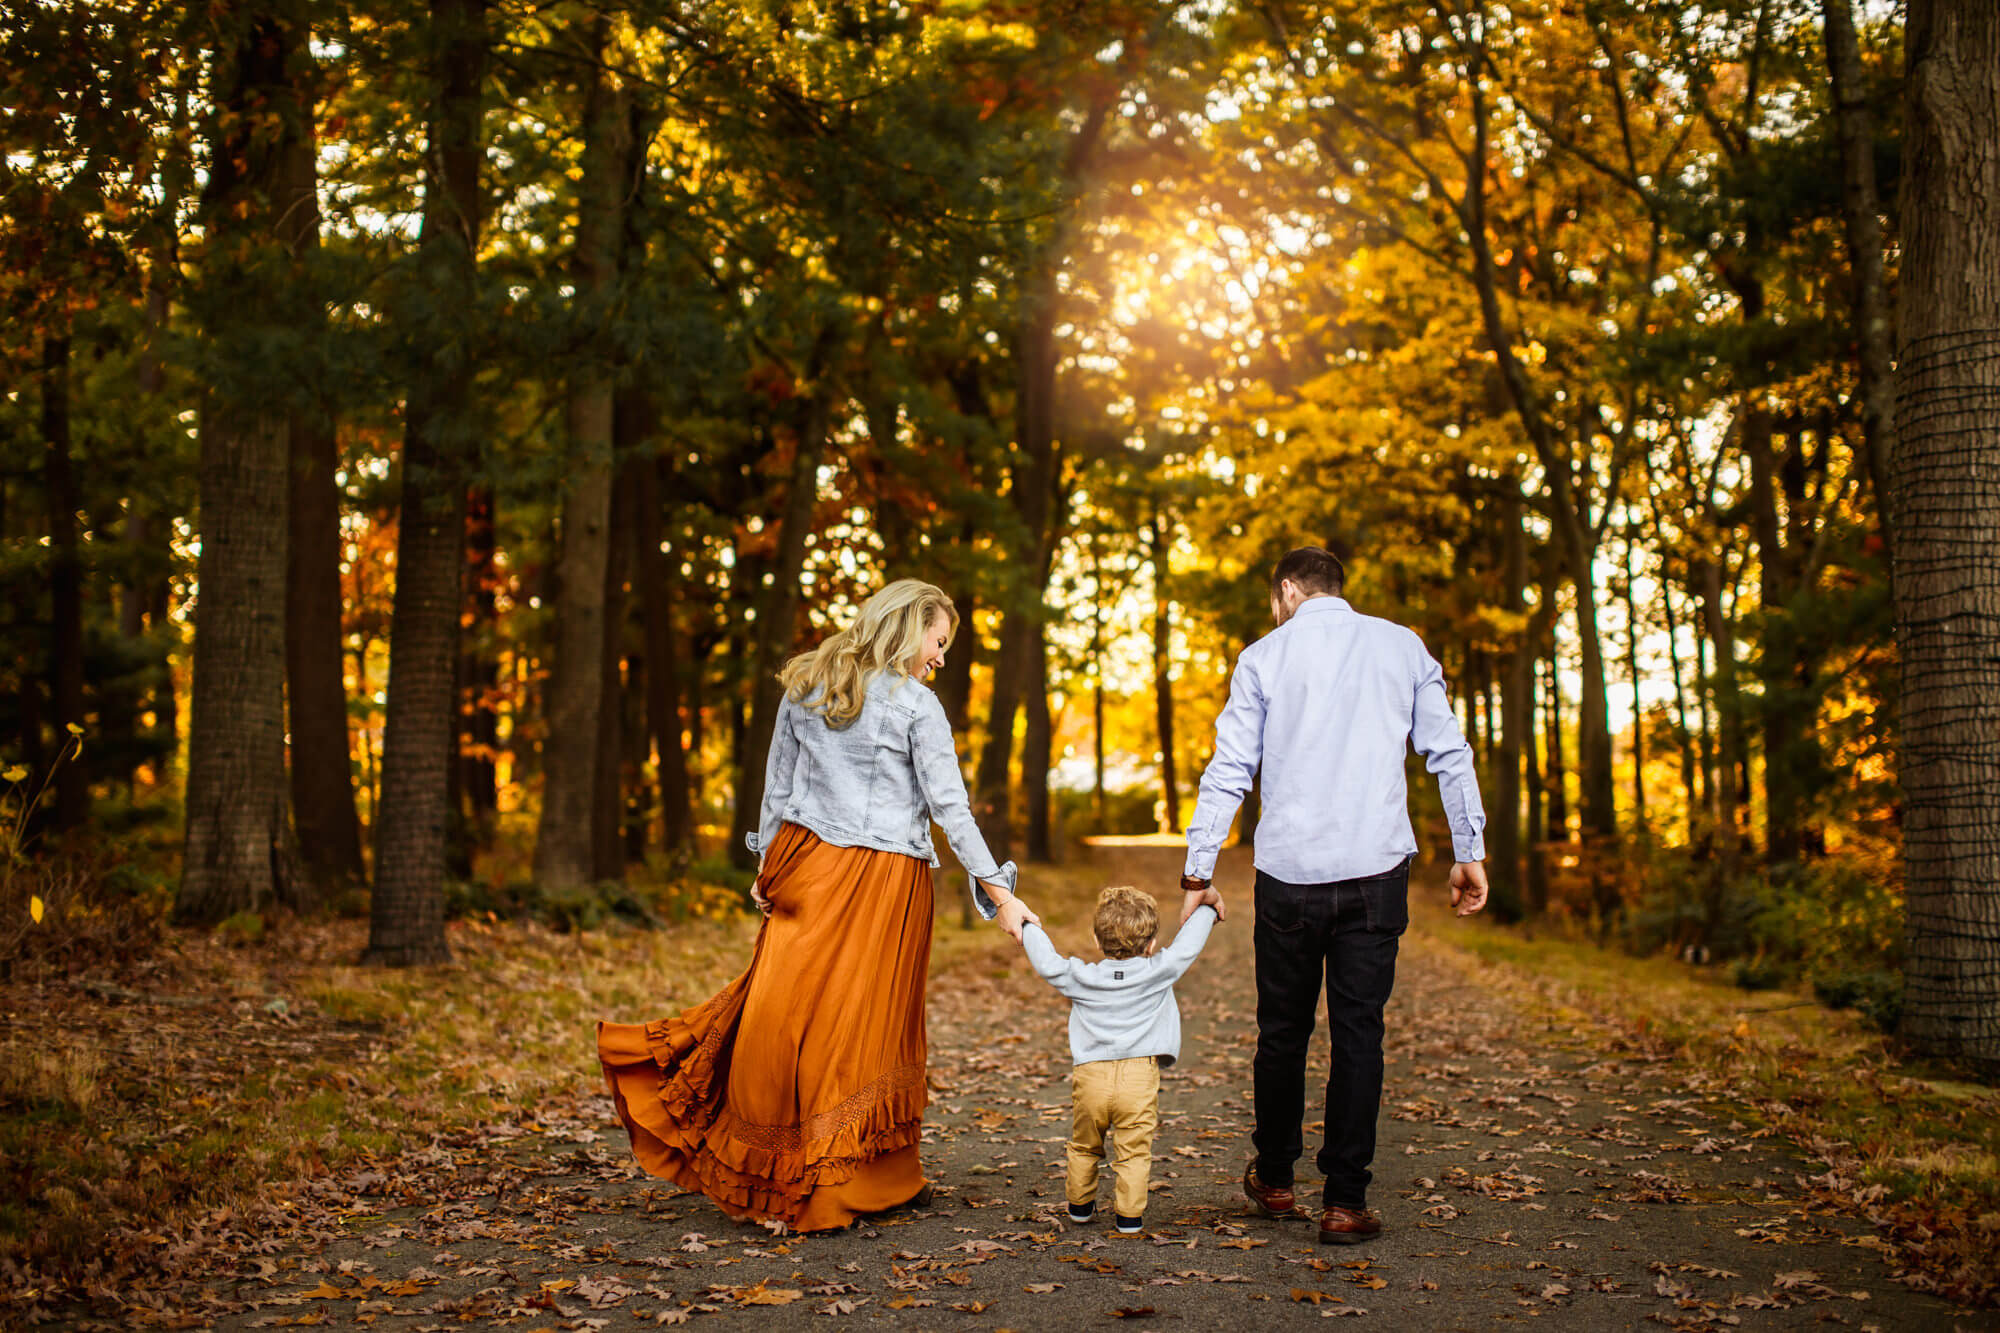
<point x="935" y="759"/>
<point x="779" y="769"/>
<point x="1051" y="966"/>
<point x="1180" y="955"/>
<point x="1434" y="731"/>
<point x="1239" y="750"/>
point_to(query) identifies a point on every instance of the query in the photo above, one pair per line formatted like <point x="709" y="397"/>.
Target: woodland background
<point x="428" y="428"/>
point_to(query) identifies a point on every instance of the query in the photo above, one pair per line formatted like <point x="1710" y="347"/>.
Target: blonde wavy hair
<point x="887" y="635"/>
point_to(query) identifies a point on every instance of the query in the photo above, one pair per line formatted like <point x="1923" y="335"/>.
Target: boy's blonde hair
<point x="1127" y="920"/>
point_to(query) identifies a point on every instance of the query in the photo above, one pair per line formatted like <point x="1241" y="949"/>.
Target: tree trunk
<point x="72" y="777"/>
<point x="1516" y="708"/>
<point x="1037" y="740"/>
<point x="658" y="574"/>
<point x="1638" y="704"/>
<point x="1536" y="885"/>
<point x="481" y="670"/>
<point x="778" y="603"/>
<point x="1728" y="714"/>
<point x="954" y="683"/>
<point x="1947" y="524"/>
<point x="420" y="728"/>
<point x="563" y="844"/>
<point x="322" y="771"/>
<point x="238" y="851"/>
<point x="1861" y="214"/>
<point x="1693" y="793"/>
<point x="1163" y="686"/>
<point x="1558" y="779"/>
<point x="607" y="851"/>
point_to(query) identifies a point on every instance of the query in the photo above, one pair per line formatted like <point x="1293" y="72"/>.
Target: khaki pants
<point x="1122" y="1096"/>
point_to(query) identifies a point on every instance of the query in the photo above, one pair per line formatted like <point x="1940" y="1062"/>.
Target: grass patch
<point x="1914" y="1145"/>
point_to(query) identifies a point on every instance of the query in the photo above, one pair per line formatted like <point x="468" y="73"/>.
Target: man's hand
<point x="1014" y="915"/>
<point x="1196" y="892"/>
<point x="1468" y="886"/>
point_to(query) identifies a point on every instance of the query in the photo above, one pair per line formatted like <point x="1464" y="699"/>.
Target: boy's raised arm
<point x="1180" y="955"/>
<point x="1042" y="956"/>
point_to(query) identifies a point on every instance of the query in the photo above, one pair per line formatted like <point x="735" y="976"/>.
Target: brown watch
<point x="1189" y="884"/>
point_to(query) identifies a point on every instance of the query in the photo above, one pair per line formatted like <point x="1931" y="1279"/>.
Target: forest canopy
<point x="431" y="426"/>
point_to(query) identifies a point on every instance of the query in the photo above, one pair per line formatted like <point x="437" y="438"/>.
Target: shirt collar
<point x="1314" y="606"/>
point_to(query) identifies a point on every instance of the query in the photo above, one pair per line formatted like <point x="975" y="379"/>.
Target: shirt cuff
<point x="1200" y="863"/>
<point x="1468" y="847"/>
<point x="754" y="842"/>
<point x="1007" y="876"/>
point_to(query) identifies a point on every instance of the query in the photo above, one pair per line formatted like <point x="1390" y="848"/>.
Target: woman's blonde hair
<point x="887" y="635"/>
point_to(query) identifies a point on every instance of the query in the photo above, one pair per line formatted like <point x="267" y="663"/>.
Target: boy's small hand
<point x="1210" y="895"/>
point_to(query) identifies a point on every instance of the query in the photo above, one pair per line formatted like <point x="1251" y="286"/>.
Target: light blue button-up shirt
<point x="1327" y="706"/>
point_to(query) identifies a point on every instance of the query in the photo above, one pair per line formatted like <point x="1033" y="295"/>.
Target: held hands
<point x="1197" y="892"/>
<point x="1468" y="886"/>
<point x="1014" y="916"/>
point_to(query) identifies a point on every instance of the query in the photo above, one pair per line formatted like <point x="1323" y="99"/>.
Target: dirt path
<point x="1520" y="1181"/>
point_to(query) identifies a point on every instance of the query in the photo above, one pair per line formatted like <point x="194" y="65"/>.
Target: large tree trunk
<point x="1861" y="213"/>
<point x="420" y="730"/>
<point x="563" y="845"/>
<point x="322" y="772"/>
<point x="1163" y="684"/>
<point x="238" y="851"/>
<point x="1947" y="524"/>
<point x="1558" y="771"/>
<point x="72" y="778"/>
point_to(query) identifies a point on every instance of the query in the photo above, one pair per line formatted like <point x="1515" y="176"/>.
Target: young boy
<point x="1123" y="1026"/>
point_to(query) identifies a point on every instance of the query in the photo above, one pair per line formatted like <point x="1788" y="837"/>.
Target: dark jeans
<point x="1350" y="928"/>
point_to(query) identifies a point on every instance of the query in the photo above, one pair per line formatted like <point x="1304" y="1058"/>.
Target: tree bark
<point x="1861" y="216"/>
<point x="564" y="854"/>
<point x="420" y="729"/>
<point x="238" y="852"/>
<point x="1558" y="777"/>
<point x="1947" y="523"/>
<point x="72" y="778"/>
<point x="322" y="770"/>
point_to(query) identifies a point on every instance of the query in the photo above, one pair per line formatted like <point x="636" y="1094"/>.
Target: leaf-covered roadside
<point x="152" y="1122"/>
<point x="1912" y="1146"/>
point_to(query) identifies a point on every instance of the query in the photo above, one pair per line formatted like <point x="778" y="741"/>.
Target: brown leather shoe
<point x="1271" y="1200"/>
<point x="1347" y="1226"/>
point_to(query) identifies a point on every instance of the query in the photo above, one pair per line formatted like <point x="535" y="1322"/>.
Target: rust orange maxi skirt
<point x="796" y="1092"/>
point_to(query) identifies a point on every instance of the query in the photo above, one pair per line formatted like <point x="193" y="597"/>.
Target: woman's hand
<point x="1014" y="915"/>
<point x="757" y="897"/>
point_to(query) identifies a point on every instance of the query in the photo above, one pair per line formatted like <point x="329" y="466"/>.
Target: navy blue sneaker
<point x="1130" y="1226"/>
<point x="1081" y="1213"/>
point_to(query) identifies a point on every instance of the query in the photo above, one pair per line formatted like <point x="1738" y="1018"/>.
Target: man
<point x="1326" y="705"/>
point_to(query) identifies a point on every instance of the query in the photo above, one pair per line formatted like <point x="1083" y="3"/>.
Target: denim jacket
<point x="877" y="782"/>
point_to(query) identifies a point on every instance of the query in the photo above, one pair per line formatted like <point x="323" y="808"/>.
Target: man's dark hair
<point x="1314" y="568"/>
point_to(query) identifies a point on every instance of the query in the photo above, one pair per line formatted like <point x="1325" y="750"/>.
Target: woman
<point x="797" y="1093"/>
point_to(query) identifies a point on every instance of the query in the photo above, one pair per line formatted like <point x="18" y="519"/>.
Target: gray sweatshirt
<point x="1122" y="1007"/>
